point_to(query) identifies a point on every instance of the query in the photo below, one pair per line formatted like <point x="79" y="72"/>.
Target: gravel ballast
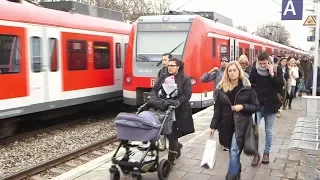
<point x="46" y="146"/>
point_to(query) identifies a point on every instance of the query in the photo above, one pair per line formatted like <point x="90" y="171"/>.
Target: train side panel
<point x="43" y="80"/>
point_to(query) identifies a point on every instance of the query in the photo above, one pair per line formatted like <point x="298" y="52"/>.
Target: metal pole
<point x="316" y="53"/>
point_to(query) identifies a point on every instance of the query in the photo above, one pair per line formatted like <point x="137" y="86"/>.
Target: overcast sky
<point x="252" y="13"/>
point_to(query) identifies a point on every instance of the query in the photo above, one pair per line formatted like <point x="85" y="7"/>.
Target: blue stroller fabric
<point x="142" y="127"/>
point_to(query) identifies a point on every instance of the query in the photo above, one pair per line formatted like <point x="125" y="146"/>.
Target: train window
<point x="224" y="51"/>
<point x="53" y="54"/>
<point x="240" y="51"/>
<point x="246" y="52"/>
<point x="118" y="55"/>
<point x="36" y="58"/>
<point x="125" y="48"/>
<point x="10" y="54"/>
<point x="77" y="55"/>
<point x="101" y="55"/>
<point x="214" y="47"/>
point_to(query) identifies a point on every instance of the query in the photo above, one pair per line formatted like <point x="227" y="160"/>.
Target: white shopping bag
<point x="209" y="154"/>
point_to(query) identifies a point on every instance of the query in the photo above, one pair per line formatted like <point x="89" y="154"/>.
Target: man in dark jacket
<point x="267" y="83"/>
<point x="165" y="59"/>
<point x="163" y="71"/>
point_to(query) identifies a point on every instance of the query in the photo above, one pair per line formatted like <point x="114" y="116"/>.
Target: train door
<point x="244" y="49"/>
<point x="51" y="64"/>
<point x="251" y="54"/>
<point x="236" y="52"/>
<point x="124" y="45"/>
<point x="232" y="49"/>
<point x="36" y="56"/>
<point x="118" y="57"/>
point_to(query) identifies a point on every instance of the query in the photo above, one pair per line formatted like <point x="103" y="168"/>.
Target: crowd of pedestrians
<point x="244" y="94"/>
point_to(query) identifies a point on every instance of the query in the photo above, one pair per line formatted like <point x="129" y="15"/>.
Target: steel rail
<point x="25" y="173"/>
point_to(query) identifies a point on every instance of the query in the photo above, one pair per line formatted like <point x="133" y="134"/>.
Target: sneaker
<point x="162" y="143"/>
<point x="278" y="114"/>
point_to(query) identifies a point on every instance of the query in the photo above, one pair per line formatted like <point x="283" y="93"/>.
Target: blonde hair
<point x="292" y="60"/>
<point x="225" y="82"/>
<point x="243" y="59"/>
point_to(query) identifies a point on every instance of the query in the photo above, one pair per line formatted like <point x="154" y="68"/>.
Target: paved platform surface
<point x="284" y="165"/>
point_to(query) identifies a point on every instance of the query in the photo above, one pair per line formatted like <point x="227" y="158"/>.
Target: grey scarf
<point x="262" y="71"/>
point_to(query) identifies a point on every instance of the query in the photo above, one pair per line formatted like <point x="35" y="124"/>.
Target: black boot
<point x="179" y="150"/>
<point x="290" y="101"/>
<point x="232" y="177"/>
<point x="172" y="155"/>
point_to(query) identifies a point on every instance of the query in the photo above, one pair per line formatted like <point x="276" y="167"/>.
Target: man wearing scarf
<point x="267" y="83"/>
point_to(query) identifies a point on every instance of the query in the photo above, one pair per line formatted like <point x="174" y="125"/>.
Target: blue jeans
<point x="234" y="153"/>
<point x="293" y="89"/>
<point x="269" y="119"/>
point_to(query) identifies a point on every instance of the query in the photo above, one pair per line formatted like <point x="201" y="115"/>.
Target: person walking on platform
<point x="292" y="83"/>
<point x="235" y="103"/>
<point x="183" y="124"/>
<point x="164" y="61"/>
<point x="267" y="85"/>
<point x="215" y="74"/>
<point x="244" y="62"/>
<point x="162" y="72"/>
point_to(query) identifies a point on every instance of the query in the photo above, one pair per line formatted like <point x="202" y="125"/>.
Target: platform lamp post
<point x="316" y="52"/>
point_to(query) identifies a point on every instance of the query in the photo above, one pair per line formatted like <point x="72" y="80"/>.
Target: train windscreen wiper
<point x="144" y="58"/>
<point x="172" y="51"/>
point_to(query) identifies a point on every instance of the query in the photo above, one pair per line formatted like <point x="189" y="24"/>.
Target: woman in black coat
<point x="183" y="114"/>
<point x="236" y="102"/>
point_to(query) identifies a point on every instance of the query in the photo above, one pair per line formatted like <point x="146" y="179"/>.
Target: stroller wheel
<point x="114" y="173"/>
<point x="164" y="169"/>
<point x="137" y="177"/>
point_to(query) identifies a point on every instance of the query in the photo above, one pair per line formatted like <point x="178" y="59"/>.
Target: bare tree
<point x="161" y="6"/>
<point x="274" y="31"/>
<point x="242" y="28"/>
<point x="131" y="9"/>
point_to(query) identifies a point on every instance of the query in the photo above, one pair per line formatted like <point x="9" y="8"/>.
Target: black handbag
<point x="251" y="142"/>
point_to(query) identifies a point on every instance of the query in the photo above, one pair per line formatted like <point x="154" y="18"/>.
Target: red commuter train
<point x="52" y="59"/>
<point x="198" y="41"/>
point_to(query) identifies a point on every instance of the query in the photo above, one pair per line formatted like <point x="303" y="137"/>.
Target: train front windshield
<point x="154" y="39"/>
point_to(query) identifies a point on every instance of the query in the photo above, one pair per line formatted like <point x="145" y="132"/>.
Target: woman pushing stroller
<point x="174" y="88"/>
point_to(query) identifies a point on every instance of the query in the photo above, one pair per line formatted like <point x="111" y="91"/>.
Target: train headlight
<point x="193" y="81"/>
<point x="127" y="79"/>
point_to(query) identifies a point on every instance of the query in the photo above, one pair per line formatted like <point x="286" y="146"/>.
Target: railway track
<point x="11" y="139"/>
<point x="50" y="168"/>
<point x="69" y="120"/>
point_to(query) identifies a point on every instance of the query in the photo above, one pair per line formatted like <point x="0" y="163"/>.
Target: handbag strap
<point x="255" y="118"/>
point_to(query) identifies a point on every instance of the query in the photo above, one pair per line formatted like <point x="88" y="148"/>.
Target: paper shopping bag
<point x="209" y="154"/>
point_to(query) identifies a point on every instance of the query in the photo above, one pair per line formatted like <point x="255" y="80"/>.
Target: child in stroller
<point x="145" y="126"/>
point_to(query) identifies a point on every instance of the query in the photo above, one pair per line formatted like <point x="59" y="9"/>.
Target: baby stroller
<point x="145" y="126"/>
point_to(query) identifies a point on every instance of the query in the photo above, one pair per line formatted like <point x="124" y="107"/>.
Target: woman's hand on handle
<point x="212" y="132"/>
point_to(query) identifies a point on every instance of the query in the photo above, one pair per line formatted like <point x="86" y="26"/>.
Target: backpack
<point x="279" y="96"/>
